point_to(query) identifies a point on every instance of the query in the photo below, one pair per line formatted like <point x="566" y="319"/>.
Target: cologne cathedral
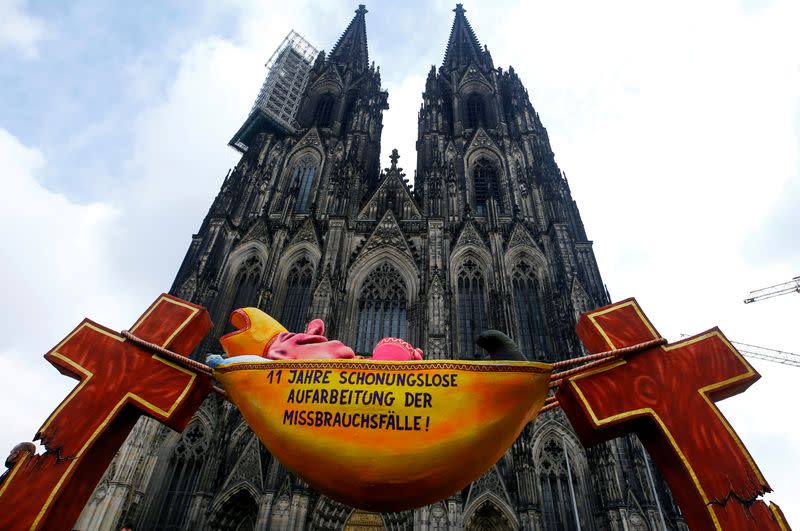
<point x="307" y="225"/>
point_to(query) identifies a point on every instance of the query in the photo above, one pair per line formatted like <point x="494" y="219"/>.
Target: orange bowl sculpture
<point x="382" y="435"/>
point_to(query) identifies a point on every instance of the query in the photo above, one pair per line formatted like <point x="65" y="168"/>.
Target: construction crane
<point x="768" y="354"/>
<point x="764" y="353"/>
<point x="774" y="291"/>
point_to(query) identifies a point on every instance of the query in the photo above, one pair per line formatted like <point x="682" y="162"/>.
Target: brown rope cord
<point x="594" y="360"/>
<point x="555" y="379"/>
<point x="599" y="359"/>
<point x="611" y="353"/>
<point x="220" y="391"/>
<point x="548" y="406"/>
<point x="178" y="359"/>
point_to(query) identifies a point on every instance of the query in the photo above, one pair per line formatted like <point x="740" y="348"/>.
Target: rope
<point x="611" y="353"/>
<point x="220" y="391"/>
<point x="178" y="359"/>
<point x="548" y="407"/>
<point x="599" y="359"/>
<point x="557" y="378"/>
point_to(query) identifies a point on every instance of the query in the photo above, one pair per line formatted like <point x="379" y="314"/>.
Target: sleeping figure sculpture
<point x="386" y="433"/>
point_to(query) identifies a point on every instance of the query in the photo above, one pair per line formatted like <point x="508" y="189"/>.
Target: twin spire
<point x="351" y="48"/>
<point x="462" y="46"/>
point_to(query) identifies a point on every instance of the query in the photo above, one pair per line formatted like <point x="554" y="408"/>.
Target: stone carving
<point x="306" y="233"/>
<point x="489" y="482"/>
<point x="520" y="236"/>
<point x="310" y="139"/>
<point x="481" y="139"/>
<point x="257" y="231"/>
<point x="473" y="76"/>
<point x="387" y="234"/>
<point x="470" y="236"/>
<point x="248" y="468"/>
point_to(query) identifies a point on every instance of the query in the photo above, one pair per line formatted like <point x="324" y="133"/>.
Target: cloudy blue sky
<point x="677" y="124"/>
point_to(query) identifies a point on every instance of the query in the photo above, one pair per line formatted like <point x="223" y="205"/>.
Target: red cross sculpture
<point x="119" y="382"/>
<point x="666" y="396"/>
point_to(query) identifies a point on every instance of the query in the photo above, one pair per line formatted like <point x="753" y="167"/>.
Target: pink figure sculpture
<point x="310" y="345"/>
<point x="394" y="349"/>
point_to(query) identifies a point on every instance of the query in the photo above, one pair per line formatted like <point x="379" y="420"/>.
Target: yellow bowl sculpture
<point x="387" y="435"/>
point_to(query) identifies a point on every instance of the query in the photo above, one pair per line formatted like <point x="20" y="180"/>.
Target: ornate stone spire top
<point x="351" y="48"/>
<point x="463" y="45"/>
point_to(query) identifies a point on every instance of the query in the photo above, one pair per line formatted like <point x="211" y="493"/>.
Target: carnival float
<point x="394" y="431"/>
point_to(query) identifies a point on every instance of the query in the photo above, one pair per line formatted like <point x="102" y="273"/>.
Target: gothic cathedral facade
<point x="308" y="225"/>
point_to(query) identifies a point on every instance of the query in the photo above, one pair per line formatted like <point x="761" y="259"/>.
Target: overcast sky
<point x="677" y="124"/>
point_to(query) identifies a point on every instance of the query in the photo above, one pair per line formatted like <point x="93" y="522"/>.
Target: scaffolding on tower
<point x="280" y="95"/>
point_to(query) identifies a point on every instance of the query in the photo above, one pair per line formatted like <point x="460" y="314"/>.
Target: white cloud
<point x="400" y="123"/>
<point x="19" y="30"/>
<point x="109" y="260"/>
<point x="179" y="159"/>
<point x="56" y="265"/>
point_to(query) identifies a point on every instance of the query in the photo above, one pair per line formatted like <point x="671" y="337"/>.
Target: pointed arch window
<point x="247" y="281"/>
<point x="557" y="481"/>
<point x="484" y="180"/>
<point x="382" y="309"/>
<point x="528" y="305"/>
<point x="303" y="179"/>
<point x="471" y="307"/>
<point x="239" y="513"/>
<point x="180" y="481"/>
<point x="476" y="111"/>
<point x="488" y="516"/>
<point x="298" y="295"/>
<point x="324" y="111"/>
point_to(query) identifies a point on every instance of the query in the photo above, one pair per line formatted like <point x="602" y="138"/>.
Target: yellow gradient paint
<point x="387" y="436"/>
<point x="254" y="331"/>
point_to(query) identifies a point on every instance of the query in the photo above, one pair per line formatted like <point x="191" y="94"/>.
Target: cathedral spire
<point x="463" y="45"/>
<point x="351" y="48"/>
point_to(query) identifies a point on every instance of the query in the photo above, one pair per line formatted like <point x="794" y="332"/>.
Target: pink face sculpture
<point x="259" y="334"/>
<point x="310" y="345"/>
<point x="394" y="349"/>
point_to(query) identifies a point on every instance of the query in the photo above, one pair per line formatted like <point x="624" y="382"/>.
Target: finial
<point x="362" y="10"/>
<point x="394" y="158"/>
<point x="459" y="9"/>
